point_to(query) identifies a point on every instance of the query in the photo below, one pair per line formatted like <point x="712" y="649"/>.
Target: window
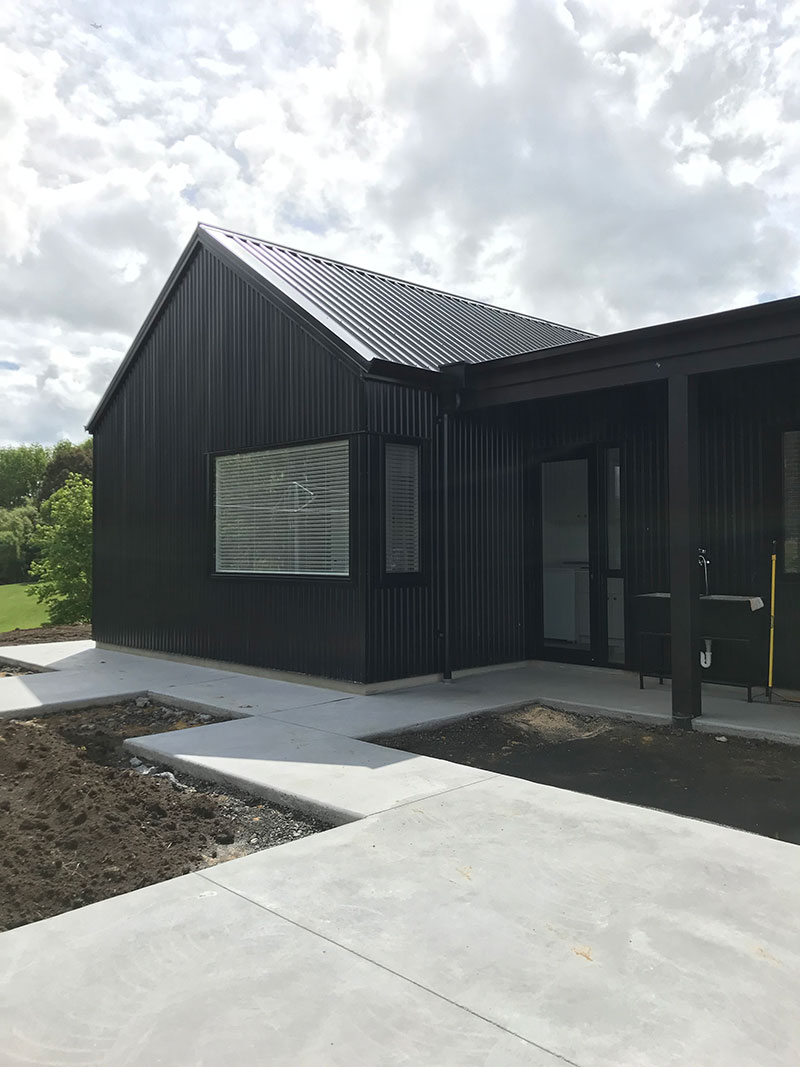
<point x="791" y="502"/>
<point x="615" y="584"/>
<point x="613" y="509"/>
<point x="401" y="468"/>
<point x="285" y="511"/>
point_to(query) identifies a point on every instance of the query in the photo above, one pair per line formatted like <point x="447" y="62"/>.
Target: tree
<point x="17" y="526"/>
<point x="64" y="566"/>
<point x="66" y="458"/>
<point x="21" y="472"/>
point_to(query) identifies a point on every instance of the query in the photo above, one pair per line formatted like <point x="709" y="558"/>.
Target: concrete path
<point x="500" y="923"/>
<point x="322" y="773"/>
<point x="76" y="674"/>
<point x="462" y="918"/>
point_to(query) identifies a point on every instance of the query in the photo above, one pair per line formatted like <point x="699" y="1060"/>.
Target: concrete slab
<point x="323" y="773"/>
<point x="770" y="722"/>
<point x="246" y="694"/>
<point x="605" y="933"/>
<point x="49" y="655"/>
<point x="41" y="694"/>
<point x="83" y="656"/>
<point x="589" y="690"/>
<point x="189" y="973"/>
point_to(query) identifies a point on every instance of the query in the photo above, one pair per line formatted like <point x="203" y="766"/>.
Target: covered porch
<point x="662" y="461"/>
<point x="615" y="694"/>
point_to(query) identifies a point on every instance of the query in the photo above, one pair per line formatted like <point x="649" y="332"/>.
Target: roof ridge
<point x="394" y="278"/>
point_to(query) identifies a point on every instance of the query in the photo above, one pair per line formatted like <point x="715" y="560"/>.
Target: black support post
<point x="683" y="548"/>
<point x="447" y="661"/>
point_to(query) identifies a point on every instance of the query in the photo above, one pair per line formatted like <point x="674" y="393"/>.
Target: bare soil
<point x="752" y="785"/>
<point x="78" y="632"/>
<point x="78" y="822"/>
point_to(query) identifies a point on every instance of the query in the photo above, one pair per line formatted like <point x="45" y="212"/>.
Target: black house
<point x="319" y="470"/>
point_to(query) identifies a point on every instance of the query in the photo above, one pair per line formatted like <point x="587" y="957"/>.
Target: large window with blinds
<point x="401" y="481"/>
<point x="284" y="511"/>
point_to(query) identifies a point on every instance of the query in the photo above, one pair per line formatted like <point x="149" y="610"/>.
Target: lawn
<point x="18" y="611"/>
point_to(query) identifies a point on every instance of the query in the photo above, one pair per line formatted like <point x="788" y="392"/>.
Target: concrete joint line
<point x="389" y="970"/>
<point x="488" y="777"/>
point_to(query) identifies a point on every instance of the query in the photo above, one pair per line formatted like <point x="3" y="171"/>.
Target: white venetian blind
<point x="285" y="511"/>
<point x="402" y="508"/>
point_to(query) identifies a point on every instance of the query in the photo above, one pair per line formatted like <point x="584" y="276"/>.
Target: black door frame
<point x="599" y="572"/>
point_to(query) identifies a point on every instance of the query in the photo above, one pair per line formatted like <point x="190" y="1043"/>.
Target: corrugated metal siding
<point x="393" y="319"/>
<point x="495" y="571"/>
<point x="402" y="636"/>
<point x="494" y="575"/>
<point x="488" y="553"/>
<point x="405" y="411"/>
<point x="743" y="415"/>
<point x="221" y="370"/>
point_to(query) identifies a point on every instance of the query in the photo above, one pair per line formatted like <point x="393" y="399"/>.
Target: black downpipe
<point x="447" y="671"/>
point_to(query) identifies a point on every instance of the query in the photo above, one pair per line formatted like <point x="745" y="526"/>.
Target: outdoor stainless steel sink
<point x="721" y="615"/>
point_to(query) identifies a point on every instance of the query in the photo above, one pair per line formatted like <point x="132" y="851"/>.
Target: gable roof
<point x="381" y="317"/>
<point x="375" y="316"/>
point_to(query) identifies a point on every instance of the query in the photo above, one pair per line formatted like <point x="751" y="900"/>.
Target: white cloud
<point x="605" y="164"/>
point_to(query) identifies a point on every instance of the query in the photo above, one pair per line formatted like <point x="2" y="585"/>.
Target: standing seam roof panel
<point x="395" y="320"/>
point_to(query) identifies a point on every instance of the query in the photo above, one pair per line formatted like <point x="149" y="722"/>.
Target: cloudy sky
<point x="605" y="164"/>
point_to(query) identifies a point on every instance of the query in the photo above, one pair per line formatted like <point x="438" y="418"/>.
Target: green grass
<point x="18" y="611"/>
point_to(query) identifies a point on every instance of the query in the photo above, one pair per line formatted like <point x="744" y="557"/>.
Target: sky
<point x="607" y="164"/>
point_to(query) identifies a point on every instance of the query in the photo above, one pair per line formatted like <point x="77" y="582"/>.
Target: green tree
<point x="21" y="472"/>
<point x="66" y="458"/>
<point x="64" y="565"/>
<point x="17" y="526"/>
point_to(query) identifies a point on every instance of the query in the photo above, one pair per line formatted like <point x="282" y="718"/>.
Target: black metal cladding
<point x="495" y="574"/>
<point x="742" y="417"/>
<point x="488" y="542"/>
<point x="404" y="615"/>
<point x="221" y="370"/>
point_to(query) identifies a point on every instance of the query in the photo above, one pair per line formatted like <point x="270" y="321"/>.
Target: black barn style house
<point x="318" y="470"/>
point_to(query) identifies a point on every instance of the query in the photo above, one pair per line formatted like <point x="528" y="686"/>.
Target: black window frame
<point x="421" y="576"/>
<point x="278" y="576"/>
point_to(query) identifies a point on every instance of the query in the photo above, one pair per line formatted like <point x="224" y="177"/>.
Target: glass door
<point x="582" y="569"/>
<point x="566" y="592"/>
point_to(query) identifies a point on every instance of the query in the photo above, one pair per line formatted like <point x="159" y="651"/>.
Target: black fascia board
<point x="385" y="370"/>
<point x="759" y="334"/>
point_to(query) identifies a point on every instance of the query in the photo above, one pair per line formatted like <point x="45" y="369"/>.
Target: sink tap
<point x="704" y="561"/>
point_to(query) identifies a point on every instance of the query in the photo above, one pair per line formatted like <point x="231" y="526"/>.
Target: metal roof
<point x="386" y="318"/>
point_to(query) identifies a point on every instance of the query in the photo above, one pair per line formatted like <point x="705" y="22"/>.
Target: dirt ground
<point x="753" y="785"/>
<point x="78" y="822"/>
<point x="78" y="632"/>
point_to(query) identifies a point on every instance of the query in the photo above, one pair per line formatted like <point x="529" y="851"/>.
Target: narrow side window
<point x="401" y="479"/>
